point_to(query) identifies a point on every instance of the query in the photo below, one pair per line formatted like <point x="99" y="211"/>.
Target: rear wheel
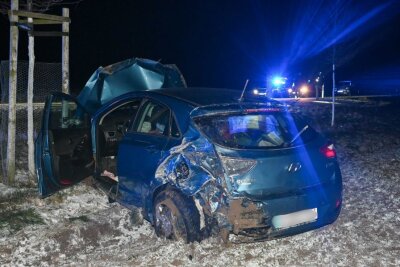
<point x="176" y="217"/>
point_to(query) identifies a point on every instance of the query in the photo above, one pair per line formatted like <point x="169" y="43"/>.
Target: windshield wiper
<point x="298" y="134"/>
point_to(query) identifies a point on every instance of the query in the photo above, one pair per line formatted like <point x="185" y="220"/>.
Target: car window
<point x="262" y="130"/>
<point x="153" y="119"/>
<point x="66" y="114"/>
<point x="115" y="123"/>
<point x="123" y="115"/>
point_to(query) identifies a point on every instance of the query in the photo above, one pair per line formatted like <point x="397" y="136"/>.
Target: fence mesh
<point x="47" y="79"/>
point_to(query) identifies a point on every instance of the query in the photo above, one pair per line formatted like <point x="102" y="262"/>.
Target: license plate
<point x="295" y="218"/>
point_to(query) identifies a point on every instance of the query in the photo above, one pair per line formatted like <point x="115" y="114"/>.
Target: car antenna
<point x="244" y="90"/>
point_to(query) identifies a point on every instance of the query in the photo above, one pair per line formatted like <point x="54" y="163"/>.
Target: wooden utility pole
<point x="12" y="95"/>
<point x="31" y="69"/>
<point x="65" y="52"/>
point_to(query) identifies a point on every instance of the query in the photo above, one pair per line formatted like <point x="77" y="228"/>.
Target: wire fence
<point x="47" y="79"/>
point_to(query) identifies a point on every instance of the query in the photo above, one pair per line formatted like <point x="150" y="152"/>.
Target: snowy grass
<point x="15" y="220"/>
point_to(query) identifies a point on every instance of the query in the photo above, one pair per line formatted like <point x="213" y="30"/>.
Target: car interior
<point x="69" y="142"/>
<point x="155" y="120"/>
<point x="110" y="131"/>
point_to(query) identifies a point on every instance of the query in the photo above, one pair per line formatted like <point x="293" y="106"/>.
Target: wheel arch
<point x="185" y="205"/>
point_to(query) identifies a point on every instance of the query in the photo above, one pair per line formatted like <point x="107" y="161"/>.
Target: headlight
<point x="182" y="171"/>
<point x="304" y="89"/>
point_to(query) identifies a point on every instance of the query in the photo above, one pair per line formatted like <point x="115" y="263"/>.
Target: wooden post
<point x="31" y="68"/>
<point x="65" y="53"/>
<point x="12" y="95"/>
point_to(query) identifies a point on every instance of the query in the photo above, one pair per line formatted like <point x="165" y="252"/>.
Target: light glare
<point x="304" y="89"/>
<point x="278" y="81"/>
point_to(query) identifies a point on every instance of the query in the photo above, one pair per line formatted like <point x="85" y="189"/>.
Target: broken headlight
<point x="182" y="171"/>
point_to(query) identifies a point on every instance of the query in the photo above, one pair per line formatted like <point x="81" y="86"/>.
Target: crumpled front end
<point x="134" y="74"/>
<point x="195" y="169"/>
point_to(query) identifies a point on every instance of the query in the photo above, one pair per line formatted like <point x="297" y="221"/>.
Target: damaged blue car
<point x="197" y="161"/>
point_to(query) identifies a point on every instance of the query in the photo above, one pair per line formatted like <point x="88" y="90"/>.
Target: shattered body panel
<point x="194" y="168"/>
<point x="203" y="178"/>
<point x="130" y="75"/>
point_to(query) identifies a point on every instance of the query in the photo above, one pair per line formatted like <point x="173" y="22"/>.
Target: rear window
<point x="259" y="130"/>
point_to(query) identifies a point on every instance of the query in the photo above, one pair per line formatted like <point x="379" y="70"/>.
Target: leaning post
<point x="31" y="69"/>
<point x="12" y="95"/>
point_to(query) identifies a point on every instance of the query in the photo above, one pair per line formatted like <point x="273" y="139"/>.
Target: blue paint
<point x="107" y="83"/>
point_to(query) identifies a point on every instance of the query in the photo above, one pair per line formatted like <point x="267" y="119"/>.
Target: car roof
<point x="202" y="96"/>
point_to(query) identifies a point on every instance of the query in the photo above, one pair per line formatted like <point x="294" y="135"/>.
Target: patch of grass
<point x="56" y="198"/>
<point x="82" y="218"/>
<point x="18" y="219"/>
<point x="18" y="196"/>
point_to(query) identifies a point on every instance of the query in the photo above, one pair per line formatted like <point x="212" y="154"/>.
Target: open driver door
<point x="63" y="154"/>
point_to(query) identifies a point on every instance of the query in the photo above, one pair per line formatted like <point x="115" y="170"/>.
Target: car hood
<point x="130" y="75"/>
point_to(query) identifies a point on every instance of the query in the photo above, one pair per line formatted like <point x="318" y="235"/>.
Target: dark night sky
<point x="215" y="43"/>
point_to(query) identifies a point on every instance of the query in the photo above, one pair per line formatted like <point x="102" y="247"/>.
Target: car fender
<point x="187" y="167"/>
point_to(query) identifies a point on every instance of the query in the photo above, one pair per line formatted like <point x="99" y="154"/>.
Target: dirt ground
<point x="78" y="227"/>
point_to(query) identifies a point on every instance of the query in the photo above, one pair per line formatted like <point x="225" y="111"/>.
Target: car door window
<point x="153" y="119"/>
<point x="66" y="114"/>
<point x="120" y="118"/>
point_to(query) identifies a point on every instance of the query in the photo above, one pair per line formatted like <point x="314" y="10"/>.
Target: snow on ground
<point x="79" y="227"/>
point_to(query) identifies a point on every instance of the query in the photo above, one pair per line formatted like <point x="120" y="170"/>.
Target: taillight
<point x="328" y="151"/>
<point x="237" y="166"/>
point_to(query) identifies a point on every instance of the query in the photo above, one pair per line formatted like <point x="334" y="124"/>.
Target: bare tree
<point x="12" y="96"/>
<point x="37" y="5"/>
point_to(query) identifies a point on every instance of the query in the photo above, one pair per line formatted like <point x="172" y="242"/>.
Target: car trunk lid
<point x="276" y="172"/>
<point x="266" y="150"/>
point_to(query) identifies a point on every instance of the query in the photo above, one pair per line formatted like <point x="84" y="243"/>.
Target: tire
<point x="176" y="217"/>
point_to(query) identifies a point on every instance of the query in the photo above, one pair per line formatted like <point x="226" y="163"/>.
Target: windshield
<point x="261" y="130"/>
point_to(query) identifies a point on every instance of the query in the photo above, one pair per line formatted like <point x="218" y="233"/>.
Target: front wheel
<point x="176" y="217"/>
